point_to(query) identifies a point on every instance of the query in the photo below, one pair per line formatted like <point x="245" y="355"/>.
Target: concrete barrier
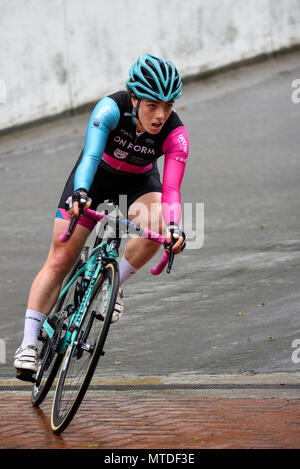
<point x="57" y="56"/>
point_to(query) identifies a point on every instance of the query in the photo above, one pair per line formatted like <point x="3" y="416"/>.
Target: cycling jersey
<point x="112" y="143"/>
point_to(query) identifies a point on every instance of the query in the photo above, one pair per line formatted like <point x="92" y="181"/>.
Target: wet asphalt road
<point x="231" y="306"/>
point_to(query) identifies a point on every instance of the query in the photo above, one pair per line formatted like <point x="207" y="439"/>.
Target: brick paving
<point x="155" y="423"/>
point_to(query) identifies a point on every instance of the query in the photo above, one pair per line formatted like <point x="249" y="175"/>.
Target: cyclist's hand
<point x="174" y="233"/>
<point x="78" y="200"/>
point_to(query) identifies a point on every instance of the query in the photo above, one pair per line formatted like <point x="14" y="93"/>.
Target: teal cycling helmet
<point x="154" y="78"/>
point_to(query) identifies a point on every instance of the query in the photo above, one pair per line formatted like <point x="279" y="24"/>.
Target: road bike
<point x="72" y="337"/>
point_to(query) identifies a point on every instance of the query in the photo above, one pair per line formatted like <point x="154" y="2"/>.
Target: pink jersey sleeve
<point x="176" y="149"/>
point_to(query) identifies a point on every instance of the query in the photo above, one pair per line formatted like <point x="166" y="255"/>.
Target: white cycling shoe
<point x="119" y="306"/>
<point x="26" y="362"/>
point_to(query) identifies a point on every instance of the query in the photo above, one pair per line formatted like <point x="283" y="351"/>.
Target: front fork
<point x="87" y="283"/>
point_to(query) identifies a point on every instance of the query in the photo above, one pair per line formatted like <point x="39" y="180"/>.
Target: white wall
<point x="59" y="54"/>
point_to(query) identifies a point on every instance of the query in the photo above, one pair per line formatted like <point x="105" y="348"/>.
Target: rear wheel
<point x="81" y="359"/>
<point x="48" y="367"/>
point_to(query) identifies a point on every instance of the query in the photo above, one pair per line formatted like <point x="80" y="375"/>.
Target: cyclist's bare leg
<point x="62" y="256"/>
<point x="147" y="212"/>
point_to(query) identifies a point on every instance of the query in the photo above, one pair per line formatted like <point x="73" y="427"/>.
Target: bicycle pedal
<point x="25" y="375"/>
<point x="98" y="316"/>
<point x="41" y="338"/>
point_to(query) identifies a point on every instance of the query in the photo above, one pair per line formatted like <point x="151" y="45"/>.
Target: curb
<point x="261" y="386"/>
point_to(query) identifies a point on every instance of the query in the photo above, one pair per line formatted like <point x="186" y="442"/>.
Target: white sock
<point x="125" y="270"/>
<point x="33" y="322"/>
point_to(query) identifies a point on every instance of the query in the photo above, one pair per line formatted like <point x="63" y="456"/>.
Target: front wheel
<point x="81" y="358"/>
<point x="49" y="360"/>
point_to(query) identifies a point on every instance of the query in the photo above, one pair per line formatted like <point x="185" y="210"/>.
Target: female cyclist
<point x="126" y="133"/>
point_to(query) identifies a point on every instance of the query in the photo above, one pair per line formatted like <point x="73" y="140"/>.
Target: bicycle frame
<point x="91" y="269"/>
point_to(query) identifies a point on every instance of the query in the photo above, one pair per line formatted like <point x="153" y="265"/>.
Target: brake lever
<point x="72" y="225"/>
<point x="171" y="255"/>
<point x="74" y="220"/>
<point x="170" y="263"/>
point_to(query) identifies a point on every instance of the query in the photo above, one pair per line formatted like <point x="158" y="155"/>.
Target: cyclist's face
<point x="152" y="114"/>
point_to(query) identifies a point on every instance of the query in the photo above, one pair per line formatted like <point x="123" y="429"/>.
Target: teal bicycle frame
<point x="90" y="270"/>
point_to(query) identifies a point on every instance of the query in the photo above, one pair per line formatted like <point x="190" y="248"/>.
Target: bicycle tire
<point x="60" y="417"/>
<point x="43" y="383"/>
<point x="47" y="371"/>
